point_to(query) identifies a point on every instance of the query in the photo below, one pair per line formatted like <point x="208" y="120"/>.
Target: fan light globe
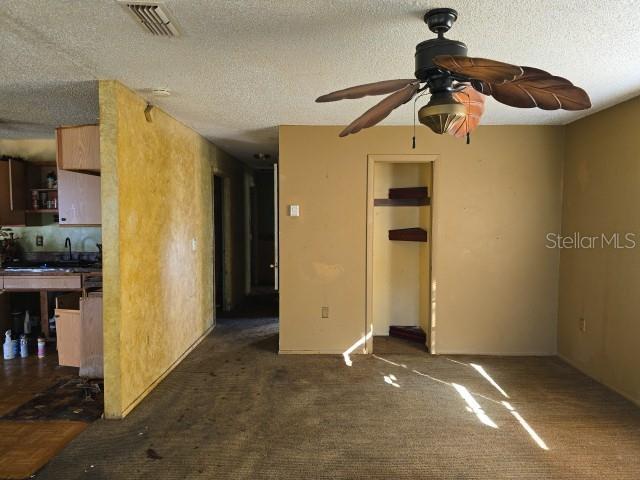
<point x="442" y="113"/>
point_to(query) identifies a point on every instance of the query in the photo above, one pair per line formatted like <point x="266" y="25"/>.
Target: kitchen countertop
<point x="47" y="271"/>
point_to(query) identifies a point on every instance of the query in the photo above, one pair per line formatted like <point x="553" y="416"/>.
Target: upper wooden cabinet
<point x="78" y="198"/>
<point x="79" y="148"/>
<point x="12" y="192"/>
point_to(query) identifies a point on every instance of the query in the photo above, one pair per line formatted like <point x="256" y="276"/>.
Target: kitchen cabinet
<point x="91" y="357"/>
<point x="12" y="192"/>
<point x="79" y="148"/>
<point x="68" y="329"/>
<point x="78" y="198"/>
<point x="68" y="337"/>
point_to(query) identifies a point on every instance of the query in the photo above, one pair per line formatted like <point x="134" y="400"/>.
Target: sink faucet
<point x="67" y="243"/>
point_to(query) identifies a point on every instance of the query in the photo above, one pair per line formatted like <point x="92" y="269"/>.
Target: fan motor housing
<point x="427" y="50"/>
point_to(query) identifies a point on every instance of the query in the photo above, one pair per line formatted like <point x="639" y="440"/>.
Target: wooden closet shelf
<point x="408" y="235"/>
<point x="404" y="197"/>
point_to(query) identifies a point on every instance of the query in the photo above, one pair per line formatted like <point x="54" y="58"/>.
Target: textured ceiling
<point x="239" y="69"/>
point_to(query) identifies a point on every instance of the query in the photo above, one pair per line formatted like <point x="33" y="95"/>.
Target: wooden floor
<point x="22" y="378"/>
<point x="25" y="447"/>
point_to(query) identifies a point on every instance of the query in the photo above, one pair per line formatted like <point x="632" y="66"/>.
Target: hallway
<point x="236" y="409"/>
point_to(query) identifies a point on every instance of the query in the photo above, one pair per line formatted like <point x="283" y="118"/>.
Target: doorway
<point x="263" y="231"/>
<point x="220" y="244"/>
<point x="400" y="313"/>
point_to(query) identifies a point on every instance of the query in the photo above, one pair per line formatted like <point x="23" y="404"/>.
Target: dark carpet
<point x="234" y="409"/>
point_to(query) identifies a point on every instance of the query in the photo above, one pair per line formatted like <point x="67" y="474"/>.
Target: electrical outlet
<point x="39" y="240"/>
<point x="582" y="325"/>
<point x="324" y="312"/>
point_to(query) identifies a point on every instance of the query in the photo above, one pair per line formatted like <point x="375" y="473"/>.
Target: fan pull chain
<point x="414" y="117"/>
<point x="466" y="122"/>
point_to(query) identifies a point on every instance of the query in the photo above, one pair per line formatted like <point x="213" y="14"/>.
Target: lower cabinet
<point x="91" y="358"/>
<point x="69" y="334"/>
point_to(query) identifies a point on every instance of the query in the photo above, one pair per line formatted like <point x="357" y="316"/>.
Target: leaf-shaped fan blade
<point x="479" y="68"/>
<point x="381" y="110"/>
<point x="474" y="103"/>
<point x="359" y="91"/>
<point x="537" y="88"/>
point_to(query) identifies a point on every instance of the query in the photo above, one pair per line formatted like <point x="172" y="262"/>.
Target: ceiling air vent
<point x="153" y="17"/>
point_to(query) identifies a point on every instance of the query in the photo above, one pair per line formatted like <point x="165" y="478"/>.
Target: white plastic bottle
<point x="24" y="347"/>
<point x="8" y="348"/>
<point x="27" y="323"/>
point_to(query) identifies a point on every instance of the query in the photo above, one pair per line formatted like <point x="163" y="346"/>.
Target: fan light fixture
<point x="458" y="85"/>
<point x="442" y="113"/>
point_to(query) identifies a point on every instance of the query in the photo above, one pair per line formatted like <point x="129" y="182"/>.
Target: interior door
<point x="276" y="257"/>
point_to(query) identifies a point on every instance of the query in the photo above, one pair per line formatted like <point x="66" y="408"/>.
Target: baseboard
<point x="164" y="374"/>
<point x="626" y="395"/>
<point x="318" y="352"/>
<point x="497" y="354"/>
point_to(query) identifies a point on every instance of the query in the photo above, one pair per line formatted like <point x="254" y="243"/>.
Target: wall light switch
<point x="324" y="312"/>
<point x="194" y="244"/>
<point x="39" y="240"/>
<point x="294" y="210"/>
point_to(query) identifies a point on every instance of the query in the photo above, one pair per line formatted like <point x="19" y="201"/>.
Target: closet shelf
<point x="404" y="197"/>
<point x="408" y="235"/>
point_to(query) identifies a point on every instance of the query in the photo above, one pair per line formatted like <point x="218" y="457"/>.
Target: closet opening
<point x="399" y="237"/>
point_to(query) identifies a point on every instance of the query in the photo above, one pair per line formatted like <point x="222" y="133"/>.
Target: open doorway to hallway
<point x="260" y="299"/>
<point x="263" y="235"/>
<point x="218" y="242"/>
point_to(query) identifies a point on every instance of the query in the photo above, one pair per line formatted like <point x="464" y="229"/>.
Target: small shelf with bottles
<point x="42" y="194"/>
<point x="43" y="200"/>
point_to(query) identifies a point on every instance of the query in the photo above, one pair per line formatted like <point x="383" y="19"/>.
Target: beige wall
<point x="398" y="272"/>
<point x="83" y="239"/>
<point x="156" y="201"/>
<point x="32" y="149"/>
<point x="601" y="195"/>
<point x="495" y="281"/>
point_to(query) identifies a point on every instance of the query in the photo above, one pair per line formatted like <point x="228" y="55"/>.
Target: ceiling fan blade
<point x="479" y="68"/>
<point x="359" y="91"/>
<point x="537" y="88"/>
<point x="381" y="110"/>
<point x="474" y="103"/>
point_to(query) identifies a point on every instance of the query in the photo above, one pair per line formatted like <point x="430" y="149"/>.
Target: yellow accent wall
<point x="600" y="285"/>
<point x="157" y="202"/>
<point x="495" y="283"/>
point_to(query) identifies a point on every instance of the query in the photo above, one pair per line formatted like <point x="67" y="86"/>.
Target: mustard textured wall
<point x="158" y="243"/>
<point x="600" y="285"/>
<point x="495" y="282"/>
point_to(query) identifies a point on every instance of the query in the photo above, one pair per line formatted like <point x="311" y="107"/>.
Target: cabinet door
<point x="12" y="193"/>
<point x="91" y="358"/>
<point x="79" y="148"/>
<point x="78" y="198"/>
<point x="68" y="336"/>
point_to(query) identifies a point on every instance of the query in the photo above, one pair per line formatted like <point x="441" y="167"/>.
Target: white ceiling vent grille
<point x="153" y="17"/>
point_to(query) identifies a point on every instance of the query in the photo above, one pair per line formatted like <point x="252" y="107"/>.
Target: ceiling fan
<point x="458" y="85"/>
